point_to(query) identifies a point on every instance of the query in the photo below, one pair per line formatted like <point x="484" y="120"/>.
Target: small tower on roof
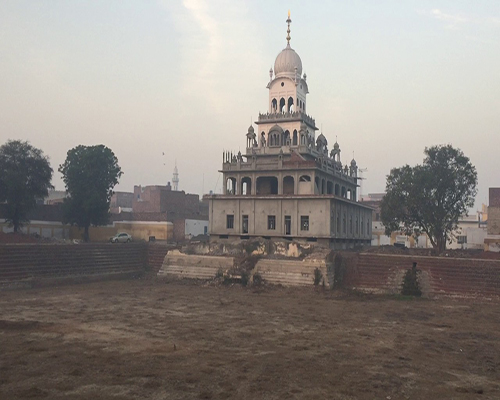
<point x="287" y="88"/>
<point x="175" y="178"/>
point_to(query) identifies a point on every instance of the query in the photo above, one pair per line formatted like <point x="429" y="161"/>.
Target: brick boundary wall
<point x="28" y="265"/>
<point x="156" y="256"/>
<point x="438" y="276"/>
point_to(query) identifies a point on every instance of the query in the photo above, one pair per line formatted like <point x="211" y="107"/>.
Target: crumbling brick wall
<point x="462" y="277"/>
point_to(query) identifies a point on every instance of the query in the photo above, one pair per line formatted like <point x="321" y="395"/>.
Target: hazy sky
<point x="186" y="78"/>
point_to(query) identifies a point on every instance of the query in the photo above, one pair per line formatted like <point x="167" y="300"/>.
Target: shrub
<point x="318" y="276"/>
<point x="410" y="283"/>
<point x="257" y="279"/>
<point x="227" y="280"/>
<point x="251" y="246"/>
<point x="244" y="278"/>
<point x="219" y="274"/>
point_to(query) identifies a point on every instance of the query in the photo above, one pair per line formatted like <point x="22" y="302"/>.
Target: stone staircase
<point x="179" y="265"/>
<point x="291" y="272"/>
<point x="274" y="271"/>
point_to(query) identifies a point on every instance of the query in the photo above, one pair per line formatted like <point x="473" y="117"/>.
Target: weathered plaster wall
<point x="323" y="212"/>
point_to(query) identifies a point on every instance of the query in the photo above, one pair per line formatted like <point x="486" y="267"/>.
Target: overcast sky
<point x="186" y="78"/>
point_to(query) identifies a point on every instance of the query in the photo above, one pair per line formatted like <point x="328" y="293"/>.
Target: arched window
<point x="267" y="185"/>
<point x="329" y="187"/>
<point x="337" y="189"/>
<point x="288" y="185"/>
<point x="246" y="186"/>
<point x="294" y="139"/>
<point x="286" y="138"/>
<point x="274" y="105"/>
<point x="302" y="139"/>
<point x="304" y="185"/>
<point x="317" y="184"/>
<point x="231" y="186"/>
<point x="323" y="186"/>
<point x="282" y="105"/>
<point x="290" y="104"/>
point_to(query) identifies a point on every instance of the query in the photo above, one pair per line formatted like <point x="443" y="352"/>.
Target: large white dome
<point x="286" y="62"/>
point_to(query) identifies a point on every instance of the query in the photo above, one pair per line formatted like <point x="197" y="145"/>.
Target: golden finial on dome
<point x="288" y="30"/>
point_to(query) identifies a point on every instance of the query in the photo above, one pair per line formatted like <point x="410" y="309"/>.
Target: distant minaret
<point x="175" y="178"/>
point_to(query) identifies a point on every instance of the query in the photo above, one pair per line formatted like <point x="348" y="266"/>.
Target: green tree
<point x="430" y="198"/>
<point x="25" y="176"/>
<point x="90" y="173"/>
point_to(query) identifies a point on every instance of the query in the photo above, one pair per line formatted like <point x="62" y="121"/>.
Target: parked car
<point x="121" y="237"/>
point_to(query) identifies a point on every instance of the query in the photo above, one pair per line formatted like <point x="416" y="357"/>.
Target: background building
<point x="470" y="234"/>
<point x="492" y="240"/>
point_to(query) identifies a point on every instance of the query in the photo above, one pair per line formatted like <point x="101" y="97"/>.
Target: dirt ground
<point x="147" y="339"/>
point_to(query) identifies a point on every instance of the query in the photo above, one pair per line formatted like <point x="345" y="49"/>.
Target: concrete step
<point x="181" y="265"/>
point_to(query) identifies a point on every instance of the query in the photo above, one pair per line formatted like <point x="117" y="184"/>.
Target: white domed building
<point x="287" y="184"/>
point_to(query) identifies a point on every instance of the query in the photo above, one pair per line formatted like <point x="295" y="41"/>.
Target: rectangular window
<point x="244" y="226"/>
<point x="271" y="222"/>
<point x="462" y="239"/>
<point x="338" y="222"/>
<point x="304" y="222"/>
<point x="288" y="225"/>
<point x="400" y="239"/>
<point x="344" y="229"/>
<point x="230" y="221"/>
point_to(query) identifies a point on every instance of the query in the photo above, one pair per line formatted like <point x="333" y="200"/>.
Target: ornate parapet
<point x="229" y="166"/>
<point x="285" y="117"/>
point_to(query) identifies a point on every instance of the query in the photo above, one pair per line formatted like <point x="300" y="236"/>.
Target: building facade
<point x="492" y="240"/>
<point x="288" y="184"/>
<point x="164" y="200"/>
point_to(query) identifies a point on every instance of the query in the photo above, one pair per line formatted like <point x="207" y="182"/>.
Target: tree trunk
<point x="86" y="237"/>
<point x="15" y="220"/>
<point x="441" y="244"/>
